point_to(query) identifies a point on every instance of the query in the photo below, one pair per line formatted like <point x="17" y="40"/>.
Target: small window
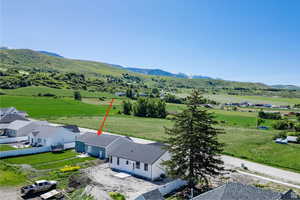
<point x="118" y="161"/>
<point x="137" y="164"/>
<point x="146" y="167"/>
<point x="40" y="184"/>
<point x="127" y="162"/>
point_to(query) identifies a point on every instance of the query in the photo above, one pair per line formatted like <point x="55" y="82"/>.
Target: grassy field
<point x="254" y="99"/>
<point x="44" y="107"/>
<point x="11" y="176"/>
<point x="5" y="147"/>
<point x="247" y="143"/>
<point x="35" y="90"/>
<point x="48" y="160"/>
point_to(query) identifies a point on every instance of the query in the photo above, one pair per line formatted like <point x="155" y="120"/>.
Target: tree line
<point x="145" y="107"/>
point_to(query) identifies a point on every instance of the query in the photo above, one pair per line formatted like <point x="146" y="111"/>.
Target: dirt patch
<point x="105" y="181"/>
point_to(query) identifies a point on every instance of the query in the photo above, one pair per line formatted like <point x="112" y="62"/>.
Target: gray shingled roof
<point x="50" y="131"/>
<point x="12" y="117"/>
<point x="153" y="195"/>
<point x="238" y="191"/>
<point x="146" y="153"/>
<point x="93" y="139"/>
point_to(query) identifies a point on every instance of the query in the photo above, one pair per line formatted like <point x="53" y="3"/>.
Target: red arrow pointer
<point x="106" y="115"/>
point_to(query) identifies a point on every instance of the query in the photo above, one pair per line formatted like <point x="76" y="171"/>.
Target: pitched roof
<point x="238" y="191"/>
<point x="12" y="117"/>
<point x="49" y="131"/>
<point x="93" y="139"/>
<point x="153" y="195"/>
<point x="17" y="124"/>
<point x="72" y="128"/>
<point x="4" y="111"/>
<point x="146" y="153"/>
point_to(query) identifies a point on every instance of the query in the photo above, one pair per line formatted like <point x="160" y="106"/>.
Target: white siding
<point x="131" y="167"/>
<point x="157" y="168"/>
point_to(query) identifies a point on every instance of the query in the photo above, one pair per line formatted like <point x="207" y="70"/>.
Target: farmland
<point x="45" y="107"/>
<point x="246" y="143"/>
<point x="242" y="139"/>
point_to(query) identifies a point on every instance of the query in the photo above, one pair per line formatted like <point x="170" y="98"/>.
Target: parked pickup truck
<point x="38" y="186"/>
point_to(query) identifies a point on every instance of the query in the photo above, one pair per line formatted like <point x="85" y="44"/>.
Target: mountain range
<point x="26" y="58"/>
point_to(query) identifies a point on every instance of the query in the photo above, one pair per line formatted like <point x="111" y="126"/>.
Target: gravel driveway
<point x="105" y="182"/>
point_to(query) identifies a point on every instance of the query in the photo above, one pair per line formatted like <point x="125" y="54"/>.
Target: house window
<point x="118" y="161"/>
<point x="137" y="164"/>
<point x="39" y="140"/>
<point x="127" y="162"/>
<point x="146" y="167"/>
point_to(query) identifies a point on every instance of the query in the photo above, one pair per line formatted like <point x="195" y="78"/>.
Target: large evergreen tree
<point x="193" y="144"/>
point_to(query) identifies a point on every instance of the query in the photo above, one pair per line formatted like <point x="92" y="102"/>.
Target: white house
<point x="20" y="128"/>
<point x="47" y="135"/>
<point x="141" y="160"/>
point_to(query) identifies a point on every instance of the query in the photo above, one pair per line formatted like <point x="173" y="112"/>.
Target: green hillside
<point x="25" y="67"/>
<point x="27" y="59"/>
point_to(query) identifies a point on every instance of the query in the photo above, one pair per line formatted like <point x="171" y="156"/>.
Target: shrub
<point x="127" y="107"/>
<point x="283" y="125"/>
<point x="77" y="96"/>
<point x="117" y="196"/>
<point x="280" y="135"/>
<point x="269" y="115"/>
<point x="48" y="95"/>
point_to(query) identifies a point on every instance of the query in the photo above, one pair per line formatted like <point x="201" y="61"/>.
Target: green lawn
<point x="247" y="143"/>
<point x="48" y="160"/>
<point x="10" y="176"/>
<point x="5" y="147"/>
<point x="44" y="107"/>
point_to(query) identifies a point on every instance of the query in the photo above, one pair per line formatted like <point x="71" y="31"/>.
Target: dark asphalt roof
<point x="153" y="195"/>
<point x="93" y="139"/>
<point x="238" y="191"/>
<point x="72" y="128"/>
<point x="12" y="117"/>
<point x="146" y="153"/>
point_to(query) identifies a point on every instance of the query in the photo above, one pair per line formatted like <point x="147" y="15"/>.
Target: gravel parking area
<point x="105" y="181"/>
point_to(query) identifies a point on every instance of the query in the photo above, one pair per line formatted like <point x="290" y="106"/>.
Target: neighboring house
<point x="47" y="135"/>
<point x="141" y="160"/>
<point x="292" y="139"/>
<point x="98" y="145"/>
<point x="238" y="191"/>
<point x="120" y="94"/>
<point x="11" y="110"/>
<point x="12" y="117"/>
<point x="20" y="128"/>
<point x="72" y="128"/>
<point x="151" y="195"/>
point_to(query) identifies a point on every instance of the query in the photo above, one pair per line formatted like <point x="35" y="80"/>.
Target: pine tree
<point x="77" y="96"/>
<point x="193" y="145"/>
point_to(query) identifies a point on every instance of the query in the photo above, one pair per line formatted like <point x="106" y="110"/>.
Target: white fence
<point x="12" y="139"/>
<point x="20" y="152"/>
<point x="171" y="186"/>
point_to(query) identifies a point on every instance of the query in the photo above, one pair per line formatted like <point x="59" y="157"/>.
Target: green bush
<point x="283" y="125"/>
<point x="117" y="196"/>
<point x="280" y="135"/>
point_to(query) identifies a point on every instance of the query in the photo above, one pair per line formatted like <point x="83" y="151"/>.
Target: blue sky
<point x="242" y="40"/>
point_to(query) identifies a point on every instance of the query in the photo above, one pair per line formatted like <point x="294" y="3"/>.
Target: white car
<point x="38" y="186"/>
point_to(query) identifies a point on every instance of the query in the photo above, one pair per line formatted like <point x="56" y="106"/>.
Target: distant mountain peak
<point x="51" y="54"/>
